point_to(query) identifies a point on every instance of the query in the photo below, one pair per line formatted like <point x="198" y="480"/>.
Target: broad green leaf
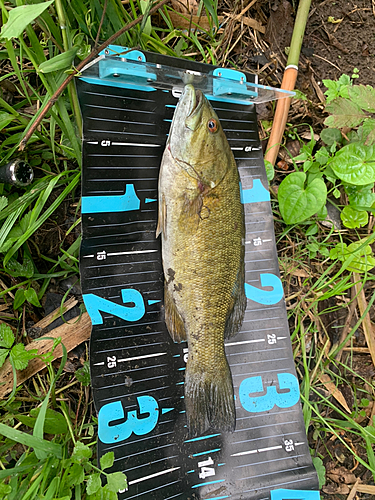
<point x="93" y="484"/>
<point x="343" y="113"/>
<point x="25" y="269"/>
<point x="20" y="17"/>
<point x="339" y="88"/>
<point x="360" y="195"/>
<point x="116" y="481"/>
<point x="355" y="164"/>
<point x="106" y="461"/>
<point x="19" y="298"/>
<point x="103" y="494"/>
<point x="320" y="470"/>
<point x="75" y="475"/>
<point x="322" y="155"/>
<point x="4" y="489"/>
<point x="6" y="336"/>
<point x="81" y="453"/>
<point x="362" y="258"/>
<point x="353" y="218"/>
<point x="270" y="171"/>
<point x="54" y="422"/>
<point x="330" y="135"/>
<point x="297" y="202"/>
<point x="20" y="357"/>
<point x="368" y="131"/>
<point x="5" y="119"/>
<point x="3" y="356"/>
<point x="83" y="374"/>
<point x="363" y="96"/>
<point x="61" y="61"/>
<point x="32" y="297"/>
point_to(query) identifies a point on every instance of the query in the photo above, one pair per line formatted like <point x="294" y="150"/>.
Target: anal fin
<point x="173" y="320"/>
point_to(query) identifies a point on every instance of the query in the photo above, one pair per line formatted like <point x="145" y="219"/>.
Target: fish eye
<point x="212" y="125"/>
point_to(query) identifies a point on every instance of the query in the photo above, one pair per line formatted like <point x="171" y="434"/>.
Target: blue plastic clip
<point x="120" y="67"/>
<point x="236" y="87"/>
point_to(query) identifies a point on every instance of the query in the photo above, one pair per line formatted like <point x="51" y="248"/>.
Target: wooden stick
<point x="71" y="335"/>
<point x="281" y="116"/>
<point x="47" y="320"/>
<point x="289" y="81"/>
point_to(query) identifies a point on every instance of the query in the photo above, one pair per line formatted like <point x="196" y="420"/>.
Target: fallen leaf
<point x="341" y="475"/>
<point x="334" y="391"/>
<point x="334" y="489"/>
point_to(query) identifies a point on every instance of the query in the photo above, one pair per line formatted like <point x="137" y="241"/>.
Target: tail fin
<point x="209" y="400"/>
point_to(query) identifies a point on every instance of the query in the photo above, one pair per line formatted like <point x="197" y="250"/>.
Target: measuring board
<point x="137" y="371"/>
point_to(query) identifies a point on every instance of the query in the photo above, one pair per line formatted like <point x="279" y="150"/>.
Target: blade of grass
<point x="31" y="441"/>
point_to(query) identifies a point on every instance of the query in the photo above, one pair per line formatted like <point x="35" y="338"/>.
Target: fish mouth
<point x="196" y="101"/>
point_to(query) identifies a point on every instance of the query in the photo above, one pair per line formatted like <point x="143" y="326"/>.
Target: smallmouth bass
<point x="201" y="222"/>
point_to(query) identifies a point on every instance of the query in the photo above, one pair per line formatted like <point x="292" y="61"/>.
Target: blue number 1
<point x="294" y="495"/>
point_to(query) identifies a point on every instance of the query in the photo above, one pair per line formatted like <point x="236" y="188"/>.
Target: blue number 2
<point x="294" y="495"/>
<point x="255" y="404"/>
<point x="114" y="411"/>
<point x="95" y="304"/>
<point x="266" y="297"/>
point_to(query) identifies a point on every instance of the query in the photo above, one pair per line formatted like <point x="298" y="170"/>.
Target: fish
<point x="202" y="228"/>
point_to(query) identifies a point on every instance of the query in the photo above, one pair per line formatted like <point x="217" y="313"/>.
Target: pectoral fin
<point x="162" y="218"/>
<point x="173" y="320"/>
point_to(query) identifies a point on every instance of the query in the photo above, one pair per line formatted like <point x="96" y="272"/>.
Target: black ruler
<point x="137" y="370"/>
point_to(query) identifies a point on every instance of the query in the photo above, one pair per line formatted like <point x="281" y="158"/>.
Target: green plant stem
<point x="71" y="87"/>
<point x="298" y="32"/>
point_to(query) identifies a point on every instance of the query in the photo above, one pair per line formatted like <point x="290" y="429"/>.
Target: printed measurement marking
<point x="272" y="398"/>
<point x="99" y="364"/>
<point x="209" y="482"/>
<point x="115" y="203"/>
<point x="111" y="412"/>
<point x="145" y="478"/>
<point x="205" y="452"/>
<point x="95" y="305"/>
<point x="201" y="437"/>
<point x="92" y="142"/>
<point x="259" y="450"/>
<point x="266" y="297"/>
<point x="136" y="144"/>
<point x="257" y="193"/>
<point x="142" y="357"/>
<point x="257" y="241"/>
<point x="282" y="494"/>
<point x="245" y="342"/>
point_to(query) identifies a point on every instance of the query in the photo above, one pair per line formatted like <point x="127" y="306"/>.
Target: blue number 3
<point x="255" y="404"/>
<point x="119" y="432"/>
